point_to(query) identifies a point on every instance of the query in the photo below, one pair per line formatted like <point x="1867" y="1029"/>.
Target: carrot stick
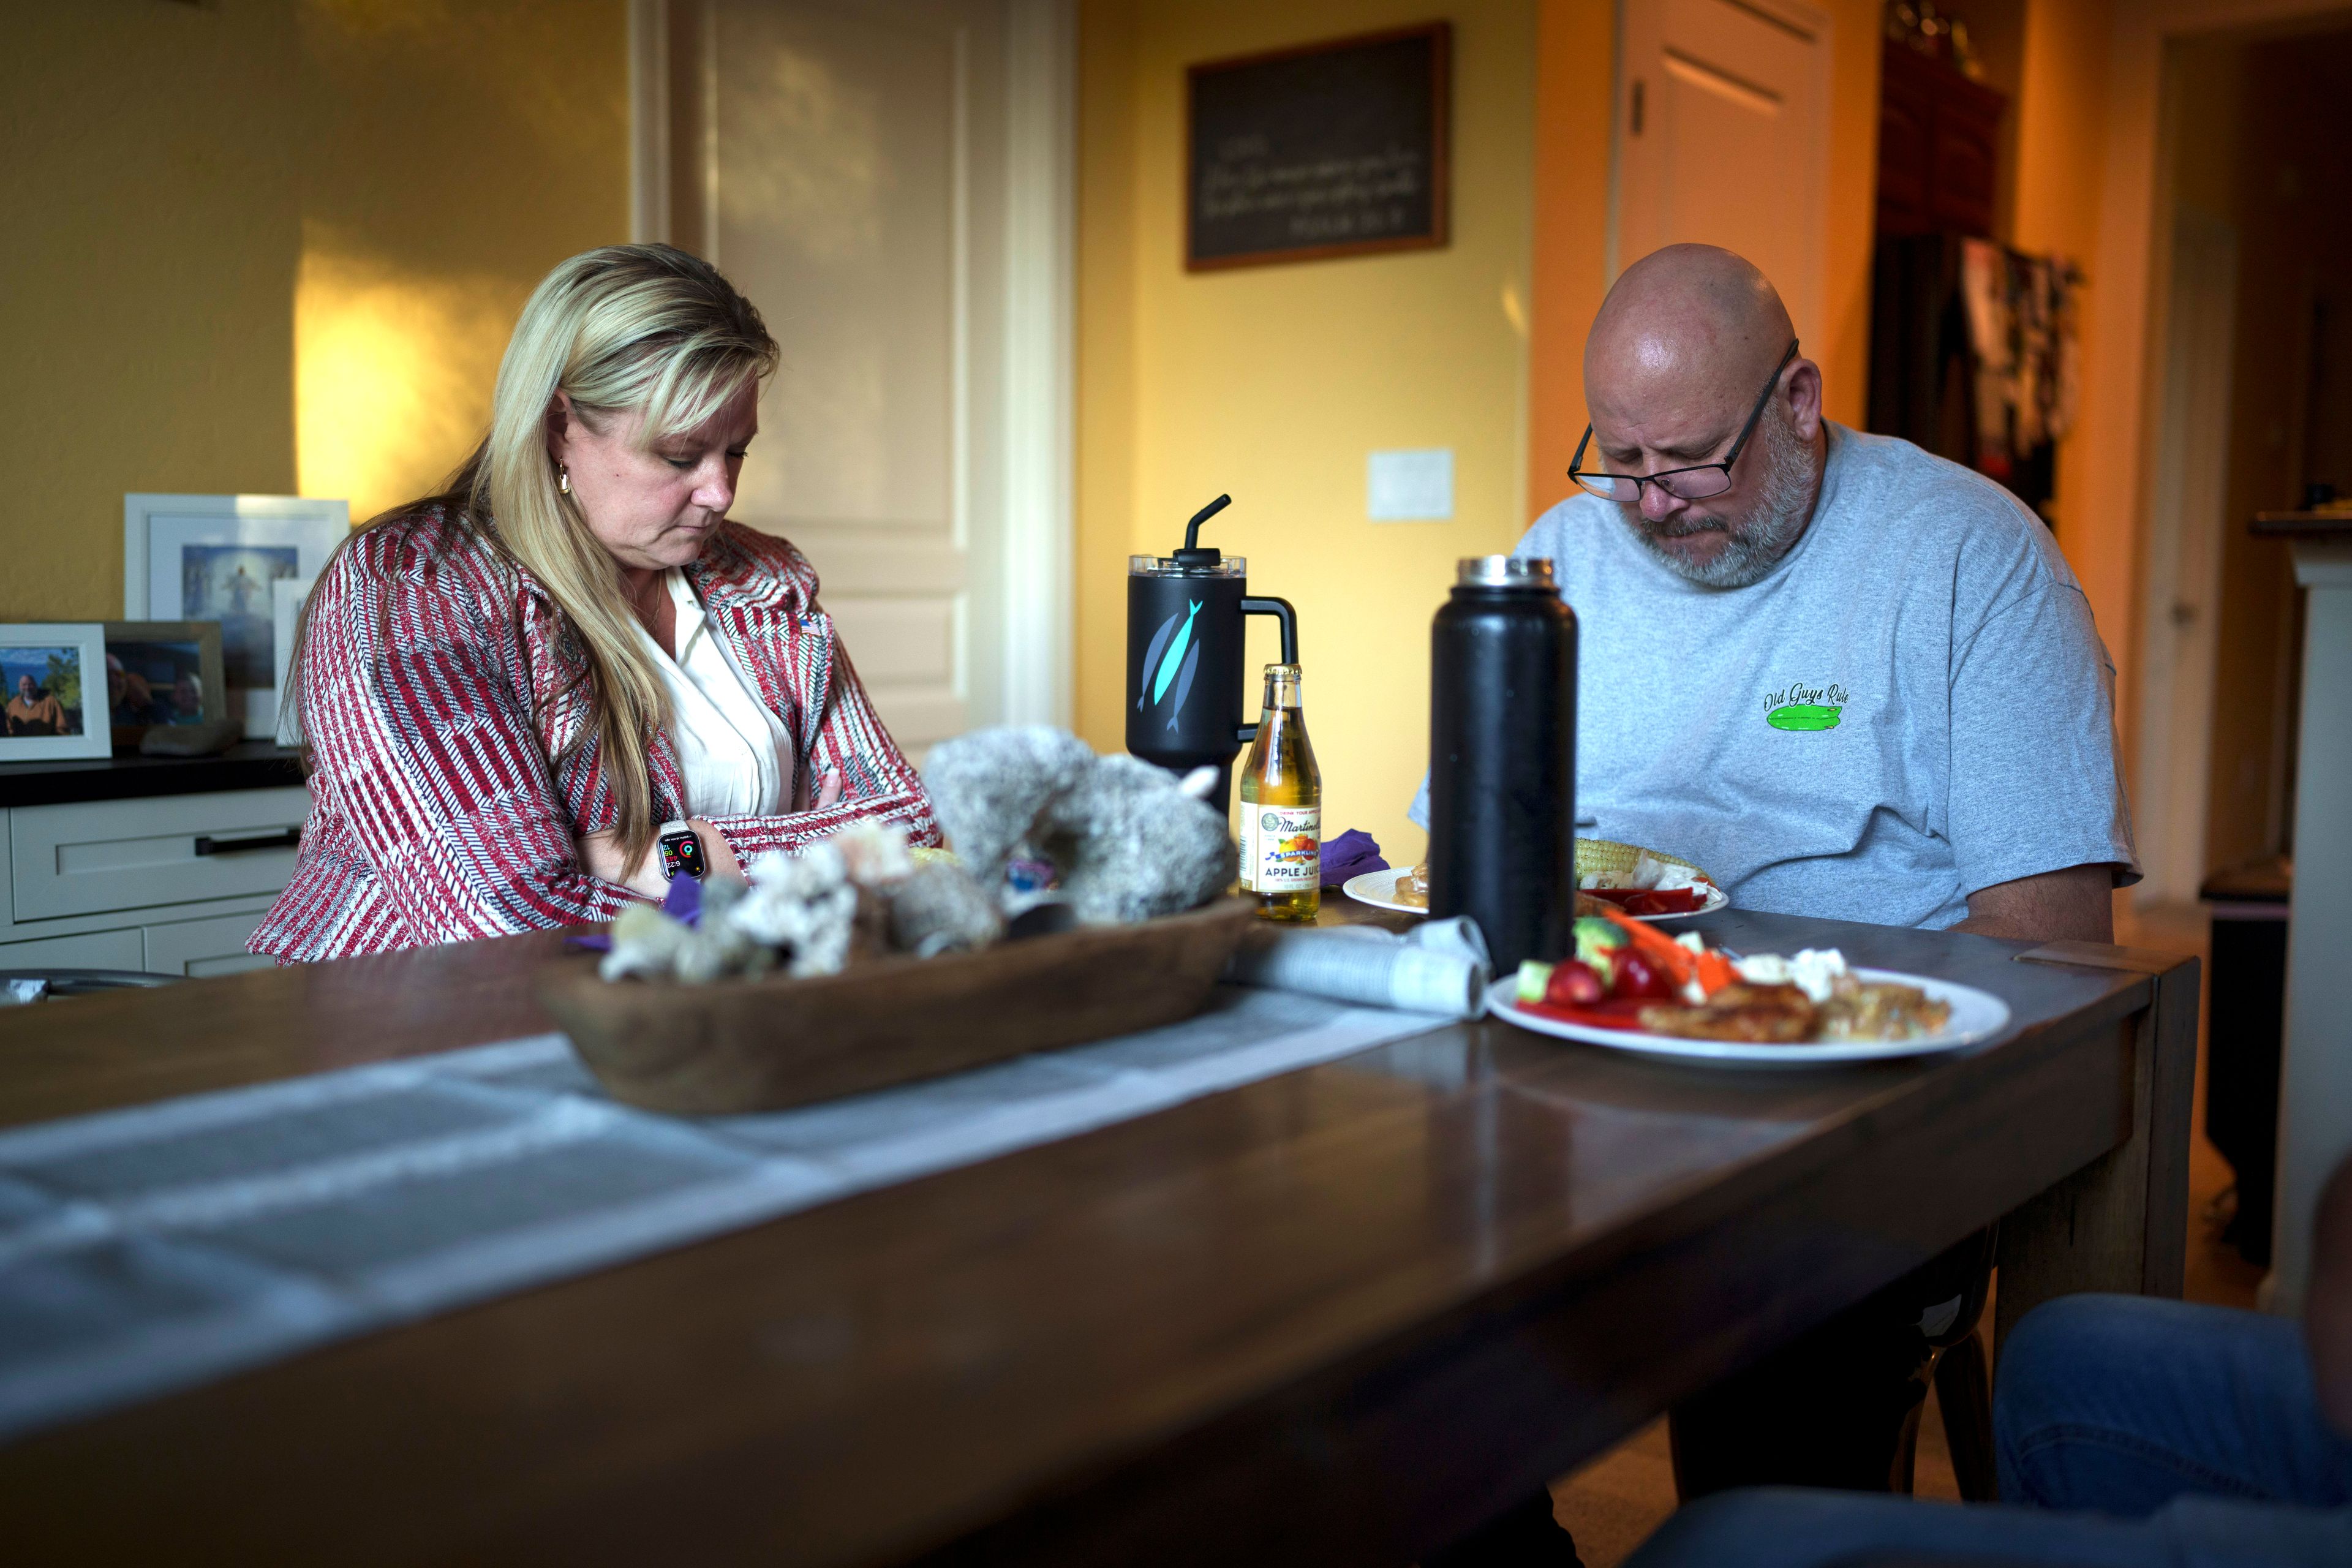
<point x="1715" y="970"/>
<point x="1670" y="957"/>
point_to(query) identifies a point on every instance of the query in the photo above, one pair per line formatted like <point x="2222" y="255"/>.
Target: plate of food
<point x="1644" y="883"/>
<point x="1632" y="988"/>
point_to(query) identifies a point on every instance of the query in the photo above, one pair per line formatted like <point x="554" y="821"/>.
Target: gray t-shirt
<point x="1913" y="705"/>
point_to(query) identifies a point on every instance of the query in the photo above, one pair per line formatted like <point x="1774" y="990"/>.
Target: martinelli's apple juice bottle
<point x="1282" y="808"/>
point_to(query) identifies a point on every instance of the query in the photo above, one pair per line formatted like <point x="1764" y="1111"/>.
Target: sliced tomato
<point x="1573" y="984"/>
<point x="1640" y="980"/>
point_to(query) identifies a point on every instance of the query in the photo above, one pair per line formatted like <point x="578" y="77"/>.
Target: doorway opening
<point x="2254" y="414"/>
<point x="1974" y="352"/>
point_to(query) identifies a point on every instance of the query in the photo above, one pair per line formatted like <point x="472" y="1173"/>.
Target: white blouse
<point x="735" y="754"/>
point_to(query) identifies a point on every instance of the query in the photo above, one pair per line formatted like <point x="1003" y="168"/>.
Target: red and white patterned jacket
<point x="432" y="678"/>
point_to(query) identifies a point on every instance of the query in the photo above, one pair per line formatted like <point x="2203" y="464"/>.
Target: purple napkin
<point x="1351" y="854"/>
<point x="682" y="904"/>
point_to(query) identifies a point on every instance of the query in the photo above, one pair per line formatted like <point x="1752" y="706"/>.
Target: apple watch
<point x="681" y="852"/>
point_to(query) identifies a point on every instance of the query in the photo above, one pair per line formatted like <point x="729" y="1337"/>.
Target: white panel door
<point x="1723" y="139"/>
<point x="853" y="166"/>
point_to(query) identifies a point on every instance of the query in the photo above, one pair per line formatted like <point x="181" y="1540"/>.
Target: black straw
<point x="1192" y="528"/>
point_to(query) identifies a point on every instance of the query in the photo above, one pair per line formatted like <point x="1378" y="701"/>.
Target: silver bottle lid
<point x="1504" y="571"/>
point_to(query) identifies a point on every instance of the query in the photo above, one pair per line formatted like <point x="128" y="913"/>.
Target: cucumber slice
<point x="1533" y="978"/>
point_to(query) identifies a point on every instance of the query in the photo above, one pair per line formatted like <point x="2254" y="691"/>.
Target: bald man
<point x="1850" y="679"/>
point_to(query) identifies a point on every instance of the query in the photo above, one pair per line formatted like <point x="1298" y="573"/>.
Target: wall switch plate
<point x="1416" y="485"/>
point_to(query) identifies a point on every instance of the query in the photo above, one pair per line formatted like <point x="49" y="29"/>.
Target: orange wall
<point x="1853" y="205"/>
<point x="1573" y="43"/>
<point x="2061" y="116"/>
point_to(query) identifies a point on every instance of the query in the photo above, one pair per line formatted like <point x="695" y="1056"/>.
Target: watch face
<point x="682" y="856"/>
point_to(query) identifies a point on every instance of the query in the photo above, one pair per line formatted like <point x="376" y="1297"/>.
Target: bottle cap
<point x="1503" y="572"/>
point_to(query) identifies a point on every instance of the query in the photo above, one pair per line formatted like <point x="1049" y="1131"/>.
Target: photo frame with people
<point x="54" y="676"/>
<point x="215" y="558"/>
<point x="165" y="674"/>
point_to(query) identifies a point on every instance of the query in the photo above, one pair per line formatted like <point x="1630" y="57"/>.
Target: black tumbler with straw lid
<point x="1502" y="758"/>
<point x="1185" y="614"/>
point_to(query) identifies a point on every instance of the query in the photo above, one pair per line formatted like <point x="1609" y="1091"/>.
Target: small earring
<point x="563" y="478"/>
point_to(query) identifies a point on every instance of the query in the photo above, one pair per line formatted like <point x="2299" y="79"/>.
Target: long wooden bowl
<point x="766" y="1043"/>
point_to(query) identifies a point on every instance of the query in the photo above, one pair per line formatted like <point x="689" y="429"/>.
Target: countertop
<point x="2315" y="527"/>
<point x="249" y="764"/>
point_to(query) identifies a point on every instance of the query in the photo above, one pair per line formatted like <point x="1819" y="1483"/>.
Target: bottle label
<point x="1282" y="847"/>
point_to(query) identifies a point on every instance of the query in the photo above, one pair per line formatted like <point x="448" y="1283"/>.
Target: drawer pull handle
<point x="285" y="839"/>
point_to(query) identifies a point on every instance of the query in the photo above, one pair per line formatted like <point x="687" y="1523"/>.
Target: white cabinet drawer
<point x="94" y="950"/>
<point x="199" y="948"/>
<point x="112" y="855"/>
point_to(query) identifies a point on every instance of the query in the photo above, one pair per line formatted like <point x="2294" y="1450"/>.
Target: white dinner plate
<point x="1977" y="1015"/>
<point x="1377" y="888"/>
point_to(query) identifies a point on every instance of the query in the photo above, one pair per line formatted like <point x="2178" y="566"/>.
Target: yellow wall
<point x="1274" y="383"/>
<point x="1103" y="488"/>
<point x="153" y="231"/>
<point x="276" y="243"/>
<point x="454" y="151"/>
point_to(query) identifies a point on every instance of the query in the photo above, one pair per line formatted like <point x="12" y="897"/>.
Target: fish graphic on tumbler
<point x="1162" y="667"/>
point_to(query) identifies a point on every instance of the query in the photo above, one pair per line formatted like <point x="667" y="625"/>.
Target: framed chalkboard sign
<point x="1332" y="149"/>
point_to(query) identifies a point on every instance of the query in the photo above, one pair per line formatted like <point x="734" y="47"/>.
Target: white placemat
<point x="148" y="1249"/>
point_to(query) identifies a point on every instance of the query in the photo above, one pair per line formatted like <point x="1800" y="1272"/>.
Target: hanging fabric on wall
<point x="2021" y="317"/>
<point x="1975" y="355"/>
<point x="1984" y="290"/>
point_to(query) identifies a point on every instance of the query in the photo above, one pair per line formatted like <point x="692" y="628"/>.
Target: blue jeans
<point x="2139" y="1431"/>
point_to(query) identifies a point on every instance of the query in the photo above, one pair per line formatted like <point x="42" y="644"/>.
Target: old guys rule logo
<point x="1805" y="706"/>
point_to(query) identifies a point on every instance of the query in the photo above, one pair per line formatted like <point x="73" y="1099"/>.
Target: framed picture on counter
<point x="55" y="677"/>
<point x="218" y="558"/>
<point x="287" y="596"/>
<point x="163" y="673"/>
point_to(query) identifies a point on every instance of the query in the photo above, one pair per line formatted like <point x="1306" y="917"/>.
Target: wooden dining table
<point x="1339" y="1315"/>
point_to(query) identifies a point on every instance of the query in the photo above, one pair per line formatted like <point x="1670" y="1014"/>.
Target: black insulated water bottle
<point x="1502" y="758"/>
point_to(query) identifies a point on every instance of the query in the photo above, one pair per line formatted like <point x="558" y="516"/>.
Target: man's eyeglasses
<point x="1684" y="484"/>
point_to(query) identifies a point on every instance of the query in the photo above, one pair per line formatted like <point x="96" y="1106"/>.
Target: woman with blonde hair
<point x="537" y="696"/>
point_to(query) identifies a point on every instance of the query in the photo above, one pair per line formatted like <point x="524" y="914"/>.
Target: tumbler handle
<point x="1281" y="610"/>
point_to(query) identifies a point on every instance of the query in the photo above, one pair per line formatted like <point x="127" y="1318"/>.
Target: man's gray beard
<point x="1784" y="504"/>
